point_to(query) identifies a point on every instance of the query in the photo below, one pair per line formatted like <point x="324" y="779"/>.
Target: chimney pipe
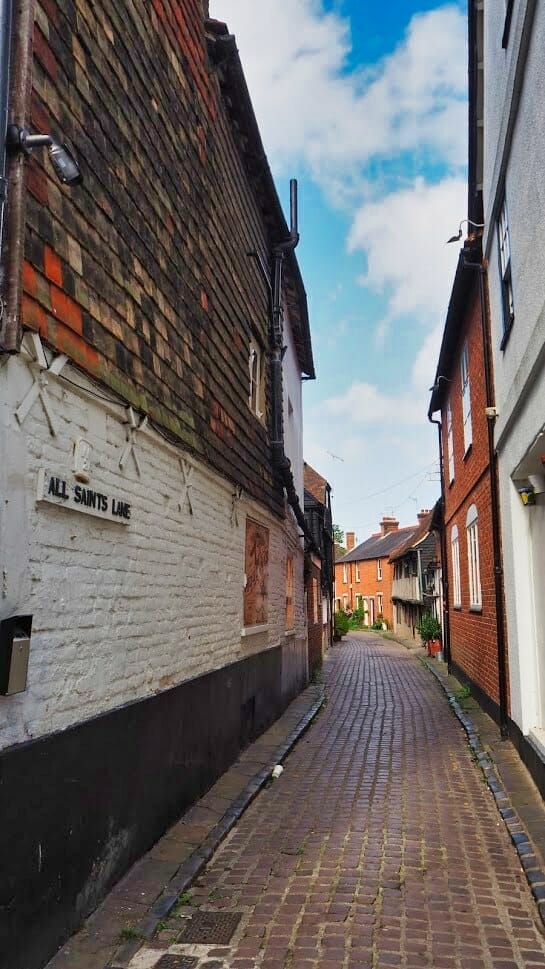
<point x="350" y="541"/>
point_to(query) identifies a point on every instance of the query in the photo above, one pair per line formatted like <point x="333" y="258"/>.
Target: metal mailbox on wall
<point x="14" y="652"/>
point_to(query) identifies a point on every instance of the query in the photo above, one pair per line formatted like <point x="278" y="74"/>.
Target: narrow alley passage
<point x="379" y="845"/>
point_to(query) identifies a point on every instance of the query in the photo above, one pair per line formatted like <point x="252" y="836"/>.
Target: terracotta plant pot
<point x="434" y="647"/>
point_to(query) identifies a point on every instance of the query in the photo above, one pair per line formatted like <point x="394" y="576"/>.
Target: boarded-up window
<point x="290" y="612"/>
<point x="256" y="590"/>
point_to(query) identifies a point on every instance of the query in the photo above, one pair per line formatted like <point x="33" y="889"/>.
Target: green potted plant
<point x="429" y="629"/>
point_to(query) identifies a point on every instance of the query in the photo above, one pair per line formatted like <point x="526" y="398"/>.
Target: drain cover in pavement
<point x="176" y="962"/>
<point x="210" y="928"/>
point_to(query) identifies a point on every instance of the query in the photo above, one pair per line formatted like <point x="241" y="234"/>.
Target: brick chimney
<point x="423" y="514"/>
<point x="388" y="524"/>
<point x="350" y="541"/>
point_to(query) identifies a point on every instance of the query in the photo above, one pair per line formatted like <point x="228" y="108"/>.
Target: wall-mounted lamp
<point x="437" y="383"/>
<point x="62" y="158"/>
<point x="458" y="236"/>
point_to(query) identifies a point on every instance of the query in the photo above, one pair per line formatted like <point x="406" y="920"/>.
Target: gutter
<point x="5" y="57"/>
<point x="280" y="460"/>
<point x="13" y="223"/>
<point x="443" y="537"/>
<point x="491" y="415"/>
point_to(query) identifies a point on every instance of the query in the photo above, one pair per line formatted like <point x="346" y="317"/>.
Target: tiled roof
<point x="379" y="546"/>
<point x="414" y="540"/>
<point x="315" y="484"/>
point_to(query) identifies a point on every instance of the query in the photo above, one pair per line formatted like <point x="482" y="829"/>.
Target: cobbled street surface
<point x="379" y="846"/>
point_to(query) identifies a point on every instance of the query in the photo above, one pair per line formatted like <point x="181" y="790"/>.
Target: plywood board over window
<point x="256" y="589"/>
<point x="290" y="611"/>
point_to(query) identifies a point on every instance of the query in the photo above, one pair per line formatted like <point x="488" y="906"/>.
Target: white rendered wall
<point x="518" y="369"/>
<point x="121" y="612"/>
<point x="293" y="419"/>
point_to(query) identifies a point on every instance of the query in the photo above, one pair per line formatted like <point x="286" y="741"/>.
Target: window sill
<point x="254" y="630"/>
<point x="506" y="335"/>
<point x="290" y="632"/>
<point x="457" y="608"/>
<point x="477" y="609"/>
<point x="469" y="449"/>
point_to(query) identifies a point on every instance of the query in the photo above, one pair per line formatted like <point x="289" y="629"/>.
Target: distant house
<point x="363" y="577"/>
<point x="416" y="587"/>
<point x="320" y="567"/>
<point x="461" y="396"/>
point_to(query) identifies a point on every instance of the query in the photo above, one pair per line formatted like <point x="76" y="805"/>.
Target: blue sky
<point x="365" y="104"/>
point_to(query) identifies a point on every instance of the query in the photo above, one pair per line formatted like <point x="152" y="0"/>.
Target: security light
<point x="62" y="158"/>
<point x="458" y="236"/>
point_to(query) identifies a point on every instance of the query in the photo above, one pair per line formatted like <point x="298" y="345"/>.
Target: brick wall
<point x="314" y="617"/>
<point x="142" y="274"/>
<point x="473" y="634"/>
<point x="369" y="585"/>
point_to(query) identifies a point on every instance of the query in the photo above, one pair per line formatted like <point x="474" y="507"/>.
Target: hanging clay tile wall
<point x="142" y="275"/>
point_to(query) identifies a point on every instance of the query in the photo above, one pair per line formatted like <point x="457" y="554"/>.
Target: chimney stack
<point x="388" y="524"/>
<point x="423" y="514"/>
<point x="350" y="541"/>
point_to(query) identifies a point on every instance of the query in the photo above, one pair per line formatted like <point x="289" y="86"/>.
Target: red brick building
<point x="319" y="568"/>
<point x="363" y="577"/>
<point x="460" y="394"/>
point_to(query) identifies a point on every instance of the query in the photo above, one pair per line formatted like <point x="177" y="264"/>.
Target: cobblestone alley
<point x="380" y="845"/>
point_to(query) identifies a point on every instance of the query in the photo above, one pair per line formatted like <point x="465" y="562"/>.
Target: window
<point x="358" y="601"/>
<point x="358" y="576"/>
<point x="504" y="250"/>
<point x="455" y="550"/>
<point x="379" y="602"/>
<point x="466" y="397"/>
<point x="345" y="574"/>
<point x="472" y="526"/>
<point x="315" y="601"/>
<point x="255" y="399"/>
<point x="379" y="569"/>
<point x="345" y="603"/>
<point x="290" y="612"/>
<point x="450" y="444"/>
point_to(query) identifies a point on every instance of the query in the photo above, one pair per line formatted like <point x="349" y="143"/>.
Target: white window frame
<point x="473" y="558"/>
<point x="379" y="570"/>
<point x="455" y="555"/>
<point x="254" y="367"/>
<point x="345" y="574"/>
<point x="504" y="254"/>
<point x="358" y="574"/>
<point x="466" y="397"/>
<point x="450" y="443"/>
<point x="380" y="605"/>
<point x="345" y="602"/>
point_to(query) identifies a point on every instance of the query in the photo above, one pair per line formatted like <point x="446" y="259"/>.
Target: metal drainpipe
<point x="496" y="532"/>
<point x="13" y="242"/>
<point x="444" y="563"/>
<point x="5" y="57"/>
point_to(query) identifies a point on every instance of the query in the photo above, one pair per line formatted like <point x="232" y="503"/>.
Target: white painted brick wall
<point x="120" y="612"/>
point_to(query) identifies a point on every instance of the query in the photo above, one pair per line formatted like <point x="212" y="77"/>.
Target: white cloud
<point x="364" y="403"/>
<point x="424" y="366"/>
<point x="403" y="236"/>
<point x="312" y="110"/>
